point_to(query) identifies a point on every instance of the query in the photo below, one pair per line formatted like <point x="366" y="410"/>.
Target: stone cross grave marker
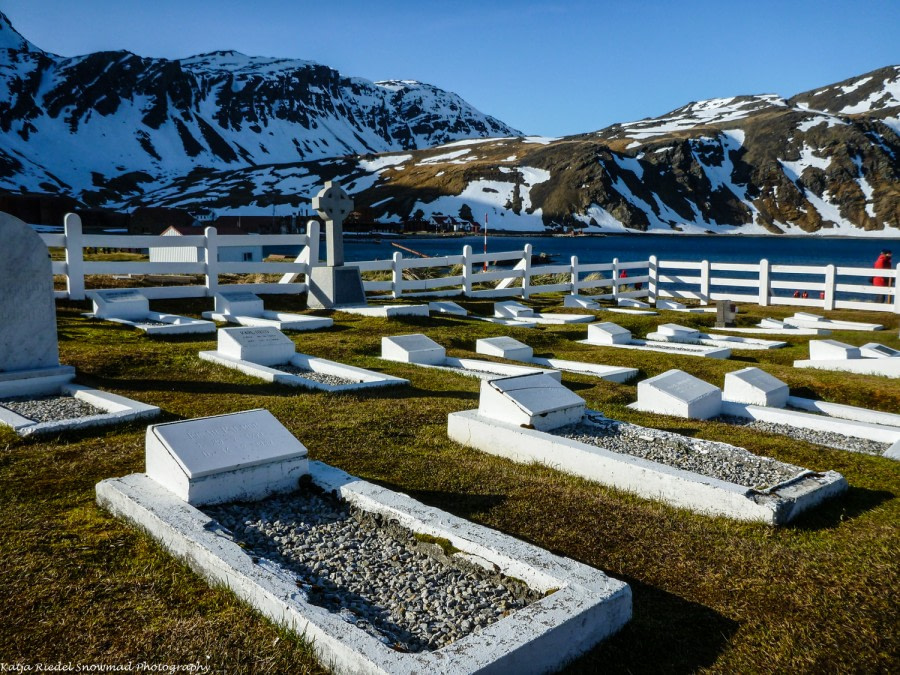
<point x="333" y="206"/>
<point x="27" y="309"/>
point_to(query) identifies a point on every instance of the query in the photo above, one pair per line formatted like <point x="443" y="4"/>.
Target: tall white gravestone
<point x="334" y="284"/>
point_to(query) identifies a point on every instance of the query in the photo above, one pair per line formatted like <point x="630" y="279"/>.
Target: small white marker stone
<point x="416" y="348"/>
<point x="831" y="350"/>
<point x="266" y="346"/>
<point x="755" y="387"/>
<point x="239" y="303"/>
<point x="120" y="304"/>
<point x="608" y="333"/>
<point x="534" y="401"/>
<point x="504" y="347"/>
<point x="678" y="393"/>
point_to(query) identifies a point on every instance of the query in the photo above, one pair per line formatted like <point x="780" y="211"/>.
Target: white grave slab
<point x="239" y="303"/>
<point x="447" y="307"/>
<point x="243" y="456"/>
<point x="534" y="401"/>
<point x="512" y="310"/>
<point x="881" y="367"/>
<point x="505" y="348"/>
<point x="246" y="309"/>
<point x="629" y="310"/>
<point x="266" y="346"/>
<point x="512" y="323"/>
<point x="679" y="333"/>
<point x="680" y="394"/>
<point x="580" y="302"/>
<point x="755" y="387"/>
<point x="674" y="306"/>
<point x="774" y="330"/>
<point x="130" y="308"/>
<point x="671" y="332"/>
<point x="632" y="302"/>
<point x="517" y="311"/>
<point x="806" y="320"/>
<point x="830" y="350"/>
<point x="873" y="350"/>
<point x="583" y="606"/>
<point x="384" y="311"/>
<point x="608" y="333"/>
<point x="416" y="348"/>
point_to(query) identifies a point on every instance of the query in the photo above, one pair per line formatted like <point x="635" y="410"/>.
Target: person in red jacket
<point x="883" y="263"/>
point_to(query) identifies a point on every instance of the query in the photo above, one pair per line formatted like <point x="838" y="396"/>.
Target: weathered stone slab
<point x="385" y="311"/>
<point x="580" y="302"/>
<point x="830" y="350"/>
<point x="608" y="333"/>
<point x="755" y="387"/>
<point x="504" y="347"/>
<point x="238" y="457"/>
<point x="335" y="287"/>
<point x="239" y="303"/>
<point x="512" y="310"/>
<point x="535" y="401"/>
<point x="632" y="302"/>
<point x="416" y="348"/>
<point x="873" y="350"/>
<point x="266" y="346"/>
<point x="678" y="333"/>
<point x="27" y="308"/>
<point x="126" y="303"/>
<point x="447" y="307"/>
<point x="806" y="320"/>
<point x="678" y="393"/>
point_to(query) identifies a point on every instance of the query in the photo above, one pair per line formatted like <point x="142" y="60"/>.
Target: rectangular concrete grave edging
<point x="652" y="480"/>
<point x="279" y="320"/>
<point x="176" y="324"/>
<point x="848" y="412"/>
<point x="587" y="607"/>
<point x="517" y="311"/>
<point x="370" y="379"/>
<point x="884" y="367"/>
<point x="384" y="311"/>
<point x="681" y="349"/>
<point x="486" y="370"/>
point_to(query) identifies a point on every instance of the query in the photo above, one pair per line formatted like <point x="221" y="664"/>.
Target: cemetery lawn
<point x="820" y="595"/>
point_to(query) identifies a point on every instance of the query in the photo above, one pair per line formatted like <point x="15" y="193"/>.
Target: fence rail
<point x="477" y="274"/>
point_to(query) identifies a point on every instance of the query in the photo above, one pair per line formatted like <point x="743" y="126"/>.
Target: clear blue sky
<point x="550" y="68"/>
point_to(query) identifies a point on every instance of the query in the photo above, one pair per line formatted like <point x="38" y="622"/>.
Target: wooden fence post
<point x="397" y="275"/>
<point x="704" y="282"/>
<point x="526" y="270"/>
<point x="467" y="270"/>
<point x="652" y="280"/>
<point x="765" y="289"/>
<point x="829" y="287"/>
<point x="74" y="256"/>
<point x="211" y="258"/>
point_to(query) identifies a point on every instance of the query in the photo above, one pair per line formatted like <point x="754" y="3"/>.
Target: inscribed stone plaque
<point x="239" y="303"/>
<point x="246" y="455"/>
<point x="831" y="350"/>
<point x="536" y="401"/>
<point x="27" y="308"/>
<point x="265" y="345"/>
<point x="512" y="310"/>
<point x="416" y="348"/>
<point x="120" y="304"/>
<point x="504" y="347"/>
<point x="678" y="393"/>
<point x="755" y="387"/>
<point x="608" y="333"/>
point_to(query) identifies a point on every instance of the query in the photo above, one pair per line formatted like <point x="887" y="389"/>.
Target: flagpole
<point x="485" y="240"/>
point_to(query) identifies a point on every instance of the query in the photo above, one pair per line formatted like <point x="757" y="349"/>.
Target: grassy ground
<point x="820" y="595"/>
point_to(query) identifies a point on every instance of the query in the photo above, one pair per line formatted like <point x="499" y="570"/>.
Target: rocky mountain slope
<point x="112" y="124"/>
<point x="245" y="134"/>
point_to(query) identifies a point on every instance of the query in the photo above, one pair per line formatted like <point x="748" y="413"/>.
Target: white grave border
<point x="584" y="607"/>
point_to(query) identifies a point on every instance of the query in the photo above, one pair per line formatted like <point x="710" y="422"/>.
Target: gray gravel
<point x="827" y="438"/>
<point x="708" y="458"/>
<point x="324" y="378"/>
<point x="410" y="594"/>
<point x="51" y="408"/>
<point x="151" y="322"/>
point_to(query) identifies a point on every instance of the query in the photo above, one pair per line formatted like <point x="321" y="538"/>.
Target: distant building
<point x="451" y="224"/>
<point x="248" y="253"/>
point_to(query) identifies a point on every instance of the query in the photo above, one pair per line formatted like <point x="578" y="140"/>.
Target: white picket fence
<point x="477" y="275"/>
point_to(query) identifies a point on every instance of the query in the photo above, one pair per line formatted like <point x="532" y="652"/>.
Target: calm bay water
<point x="738" y="249"/>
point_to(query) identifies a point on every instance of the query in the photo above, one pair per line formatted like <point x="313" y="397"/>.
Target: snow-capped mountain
<point x="111" y="124"/>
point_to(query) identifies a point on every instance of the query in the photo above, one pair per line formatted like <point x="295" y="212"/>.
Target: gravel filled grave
<point x="324" y="378"/>
<point x="51" y="408"/>
<point x="708" y="458"/>
<point x="151" y="322"/>
<point x="407" y="590"/>
<point x="829" y="439"/>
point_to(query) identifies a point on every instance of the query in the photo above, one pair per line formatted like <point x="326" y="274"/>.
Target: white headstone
<point x="831" y="350"/>
<point x="266" y="346"/>
<point x="512" y="310"/>
<point x="669" y="304"/>
<point x="673" y="330"/>
<point x="414" y="348"/>
<point x="755" y="387"/>
<point x="126" y="303"/>
<point x="239" y="303"/>
<point x="806" y="316"/>
<point x="631" y="302"/>
<point x="333" y="206"/>
<point x="447" y="307"/>
<point x="27" y="308"/>
<point x="504" y="347"/>
<point x="678" y="393"/>
<point x="771" y="323"/>
<point x="580" y="302"/>
<point x="608" y="333"/>
<point x="873" y="350"/>
<point x="243" y="456"/>
<point x="534" y="401"/>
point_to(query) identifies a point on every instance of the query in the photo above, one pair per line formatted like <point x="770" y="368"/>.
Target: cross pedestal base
<point x="334" y="287"/>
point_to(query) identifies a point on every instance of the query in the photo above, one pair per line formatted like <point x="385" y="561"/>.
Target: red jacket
<point x="883" y="263"/>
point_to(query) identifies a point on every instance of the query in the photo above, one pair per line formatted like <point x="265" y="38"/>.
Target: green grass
<point x="820" y="595"/>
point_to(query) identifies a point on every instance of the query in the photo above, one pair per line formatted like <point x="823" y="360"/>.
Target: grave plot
<point x="37" y="394"/>
<point x="775" y="327"/>
<point x="672" y="332"/>
<point x="423" y="351"/>
<point x="370" y="577"/>
<point x="246" y="309"/>
<point x="519" y="312"/>
<point x="447" y="307"/>
<point x="385" y="311"/>
<point x="807" y="320"/>
<point x="270" y="355"/>
<point x="513" y="350"/>
<point x="673" y="306"/>
<point x="632" y="306"/>
<point x="534" y="419"/>
<point x="608" y="334"/>
<point x="130" y="308"/>
<point x="834" y="355"/>
<point x="581" y="302"/>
